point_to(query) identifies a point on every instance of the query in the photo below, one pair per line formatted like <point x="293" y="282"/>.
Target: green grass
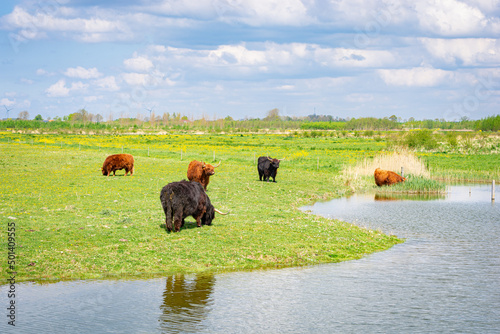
<point x="415" y="185"/>
<point x="74" y="223"/>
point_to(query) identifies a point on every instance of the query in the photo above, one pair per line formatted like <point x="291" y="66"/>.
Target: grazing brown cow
<point x="387" y="177"/>
<point x="118" y="162"/>
<point x="200" y="172"/>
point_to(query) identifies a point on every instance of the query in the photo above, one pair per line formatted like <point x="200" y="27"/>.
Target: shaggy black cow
<point x="268" y="167"/>
<point x="183" y="199"/>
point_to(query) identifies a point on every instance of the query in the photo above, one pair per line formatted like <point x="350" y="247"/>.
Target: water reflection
<point x="186" y="302"/>
<point x="413" y="197"/>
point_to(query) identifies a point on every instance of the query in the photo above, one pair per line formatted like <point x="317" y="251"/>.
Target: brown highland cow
<point x="200" y="172"/>
<point x="118" y="162"/>
<point x="387" y="177"/>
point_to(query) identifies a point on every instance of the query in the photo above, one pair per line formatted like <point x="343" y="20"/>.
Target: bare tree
<point x="273" y="115"/>
<point x="152" y="119"/>
<point x="166" y="118"/>
<point x="24" y="115"/>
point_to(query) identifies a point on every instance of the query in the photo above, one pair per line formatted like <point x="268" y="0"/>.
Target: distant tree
<point x="273" y="115"/>
<point x="83" y="115"/>
<point x="38" y="117"/>
<point x="166" y="118"/>
<point x="393" y="118"/>
<point x="99" y="118"/>
<point x="24" y="115"/>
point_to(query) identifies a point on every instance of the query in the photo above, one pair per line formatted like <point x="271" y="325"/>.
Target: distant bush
<point x="322" y="125"/>
<point x="419" y="139"/>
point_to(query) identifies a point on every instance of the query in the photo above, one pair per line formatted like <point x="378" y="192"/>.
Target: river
<point x="444" y="279"/>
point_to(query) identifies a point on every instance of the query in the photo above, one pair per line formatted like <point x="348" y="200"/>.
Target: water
<point x="444" y="279"/>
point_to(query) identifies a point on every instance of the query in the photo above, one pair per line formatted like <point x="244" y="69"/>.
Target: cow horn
<point x="218" y="164"/>
<point x="220" y="212"/>
<point x="202" y="164"/>
<point x="281" y="159"/>
<point x="269" y="159"/>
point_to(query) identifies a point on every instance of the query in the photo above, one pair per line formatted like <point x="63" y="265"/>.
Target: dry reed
<point x="389" y="161"/>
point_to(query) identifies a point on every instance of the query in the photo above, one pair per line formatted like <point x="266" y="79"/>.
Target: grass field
<point x="73" y="223"/>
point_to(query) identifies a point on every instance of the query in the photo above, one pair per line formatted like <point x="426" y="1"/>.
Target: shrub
<point x="419" y="139"/>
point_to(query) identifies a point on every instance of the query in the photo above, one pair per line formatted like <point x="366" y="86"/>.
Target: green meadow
<point x="71" y="222"/>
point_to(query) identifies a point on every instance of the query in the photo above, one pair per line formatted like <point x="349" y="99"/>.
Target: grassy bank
<point x="73" y="223"/>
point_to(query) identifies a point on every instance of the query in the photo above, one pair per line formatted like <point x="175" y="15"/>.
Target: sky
<point x="426" y="59"/>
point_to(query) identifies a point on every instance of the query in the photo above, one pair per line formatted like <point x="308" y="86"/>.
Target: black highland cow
<point x="183" y="199"/>
<point x="268" y="167"/>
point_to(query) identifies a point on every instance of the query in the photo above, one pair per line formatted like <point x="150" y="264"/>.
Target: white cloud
<point x="415" y="77"/>
<point x="26" y="81"/>
<point x="93" y="98"/>
<point x="465" y="51"/>
<point x="59" y="89"/>
<point x="82" y="73"/>
<point x="450" y="17"/>
<point x="136" y="79"/>
<point x="138" y="64"/>
<point x="243" y="59"/>
<point x="6" y="102"/>
<point x="43" y="72"/>
<point x="274" y="12"/>
<point x="157" y="48"/>
<point x="35" y="26"/>
<point x="78" y="86"/>
<point x="107" y="83"/>
<point x="286" y="87"/>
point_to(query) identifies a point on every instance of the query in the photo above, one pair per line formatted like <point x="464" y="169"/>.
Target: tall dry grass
<point x="390" y="161"/>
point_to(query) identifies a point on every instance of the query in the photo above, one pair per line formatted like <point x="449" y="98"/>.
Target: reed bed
<point x="360" y="176"/>
<point x="390" y="161"/>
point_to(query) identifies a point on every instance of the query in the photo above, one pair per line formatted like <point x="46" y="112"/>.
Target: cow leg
<point x="178" y="219"/>
<point x="198" y="219"/>
<point x="168" y="217"/>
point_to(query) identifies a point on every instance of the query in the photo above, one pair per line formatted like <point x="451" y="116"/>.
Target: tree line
<point x="82" y="119"/>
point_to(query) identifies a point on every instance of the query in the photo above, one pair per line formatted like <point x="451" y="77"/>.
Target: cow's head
<point x="275" y="162"/>
<point x="209" y="169"/>
<point x="208" y="216"/>
<point x="104" y="172"/>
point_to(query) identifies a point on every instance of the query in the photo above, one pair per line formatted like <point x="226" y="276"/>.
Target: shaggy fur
<point x="387" y="177"/>
<point x="183" y="199"/>
<point x="267" y="168"/>
<point x="200" y="172"/>
<point x="118" y="162"/>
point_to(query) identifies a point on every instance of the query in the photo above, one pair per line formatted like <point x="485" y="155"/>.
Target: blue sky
<point x="213" y="58"/>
